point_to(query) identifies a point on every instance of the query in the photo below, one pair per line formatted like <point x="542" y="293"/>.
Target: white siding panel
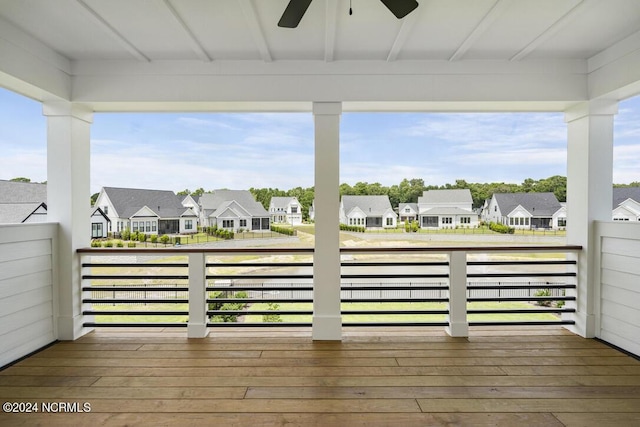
<point x="619" y="284"/>
<point x="29" y="249"/>
<point x="628" y="281"/>
<point x="19" y="319"/>
<point x="24" y="301"/>
<point x="627" y="264"/>
<point x="25" y="283"/>
<point x="23" y="341"/>
<point x="20" y="267"/>
<point x="616" y="246"/>
<point x="26" y="289"/>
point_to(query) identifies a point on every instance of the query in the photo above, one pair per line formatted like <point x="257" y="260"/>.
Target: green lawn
<point x="119" y="318"/>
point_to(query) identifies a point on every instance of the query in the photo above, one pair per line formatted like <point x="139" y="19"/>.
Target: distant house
<point x="446" y="209"/>
<point x="191" y="201"/>
<point x="367" y="211"/>
<point x="146" y="211"/>
<point x="312" y="210"/>
<point x="526" y="210"/>
<point x="99" y="223"/>
<point x="233" y="210"/>
<point x="22" y="202"/>
<point x="626" y="204"/>
<point x="285" y="210"/>
<point x="408" y="212"/>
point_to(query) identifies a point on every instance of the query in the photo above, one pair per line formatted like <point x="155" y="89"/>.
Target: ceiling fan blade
<point x="400" y="8"/>
<point x="293" y="13"/>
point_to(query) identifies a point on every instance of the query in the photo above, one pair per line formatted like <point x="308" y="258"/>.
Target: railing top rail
<point x="411" y="249"/>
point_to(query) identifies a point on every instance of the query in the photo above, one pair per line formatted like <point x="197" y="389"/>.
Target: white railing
<point x="617" y="287"/>
<point x="28" y="291"/>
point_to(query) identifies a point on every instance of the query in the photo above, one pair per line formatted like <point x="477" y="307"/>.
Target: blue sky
<point x="175" y="151"/>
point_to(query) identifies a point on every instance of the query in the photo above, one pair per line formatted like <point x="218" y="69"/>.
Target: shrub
<point x="355" y="228"/>
<point x="131" y="244"/>
<point x="283" y="230"/>
<point x="227" y="318"/>
<point x="272" y="317"/>
<point x="501" y="228"/>
<point x="154" y="238"/>
<point x="164" y="239"/>
<point x="119" y="244"/>
<point x="96" y="244"/>
<point x="108" y="244"/>
<point x="126" y="234"/>
<point x="142" y="237"/>
<point x="543" y="293"/>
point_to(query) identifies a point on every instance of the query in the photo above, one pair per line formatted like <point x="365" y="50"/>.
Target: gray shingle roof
<point x="446" y="196"/>
<point x="620" y="194"/>
<point x="413" y="206"/>
<point x="128" y="201"/>
<point x="210" y="202"/>
<point x="280" y="202"/>
<point x="537" y="204"/>
<point x="19" y="199"/>
<point x="448" y="211"/>
<point x="370" y="205"/>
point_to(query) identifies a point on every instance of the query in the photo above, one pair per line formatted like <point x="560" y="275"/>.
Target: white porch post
<point x="68" y="203"/>
<point x="589" y="195"/>
<point x="197" y="327"/>
<point x="458" y="323"/>
<point x="327" y="322"/>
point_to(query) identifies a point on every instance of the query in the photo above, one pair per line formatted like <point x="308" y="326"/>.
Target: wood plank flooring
<point x="374" y="377"/>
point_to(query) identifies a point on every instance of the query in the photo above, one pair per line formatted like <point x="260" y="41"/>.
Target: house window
<point x="188" y="224"/>
<point x="465" y="220"/>
<point x="105" y="209"/>
<point x="389" y="221"/>
<point x="407" y="210"/>
<point x="562" y="222"/>
<point x="135" y="226"/>
<point x="294" y="209"/>
<point x="148" y="226"/>
<point x="243" y="223"/>
<point x="227" y="223"/>
<point x="495" y="208"/>
<point x="526" y="221"/>
<point x="447" y="220"/>
<point x="154" y="226"/>
<point x="96" y="230"/>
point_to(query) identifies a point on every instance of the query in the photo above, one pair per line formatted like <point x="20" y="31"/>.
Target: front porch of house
<point x="390" y="376"/>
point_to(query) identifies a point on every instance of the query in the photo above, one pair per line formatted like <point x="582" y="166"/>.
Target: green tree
<point x="20" y="179"/>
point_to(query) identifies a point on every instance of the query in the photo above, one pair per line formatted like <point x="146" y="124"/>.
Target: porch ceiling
<point x="231" y="55"/>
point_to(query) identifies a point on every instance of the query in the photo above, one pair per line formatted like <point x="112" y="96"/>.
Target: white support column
<point x="458" y="323"/>
<point x="589" y="195"/>
<point x="327" y="321"/>
<point x="197" y="327"/>
<point x="68" y="204"/>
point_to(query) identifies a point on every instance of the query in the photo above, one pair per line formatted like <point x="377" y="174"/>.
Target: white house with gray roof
<point x="367" y="211"/>
<point x="146" y="211"/>
<point x="526" y="210"/>
<point x="233" y="210"/>
<point x="22" y="202"/>
<point x="408" y="212"/>
<point x="626" y="204"/>
<point x="446" y="209"/>
<point x="285" y="210"/>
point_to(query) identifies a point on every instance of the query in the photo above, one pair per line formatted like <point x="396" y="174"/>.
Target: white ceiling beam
<point x="255" y="29"/>
<point x="191" y="38"/>
<point x="113" y="32"/>
<point x="554" y="28"/>
<point x="407" y="25"/>
<point x="494" y="13"/>
<point x="330" y="26"/>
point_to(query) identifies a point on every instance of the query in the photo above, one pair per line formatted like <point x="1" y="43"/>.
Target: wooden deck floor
<point x="525" y="377"/>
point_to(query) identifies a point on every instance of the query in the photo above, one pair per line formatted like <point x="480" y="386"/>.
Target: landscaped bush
<point x="108" y="244"/>
<point x="142" y="237"/>
<point x="96" y="244"/>
<point x="227" y="318"/>
<point x="272" y="317"/>
<point x="131" y="244"/>
<point x="119" y="244"/>
<point x="164" y="239"/>
<point x="154" y="239"/>
<point x="500" y="228"/>
<point x="355" y="228"/>
<point x="126" y="234"/>
<point x="283" y="230"/>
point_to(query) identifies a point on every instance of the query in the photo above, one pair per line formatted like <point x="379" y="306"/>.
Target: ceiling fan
<point x="296" y="9"/>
